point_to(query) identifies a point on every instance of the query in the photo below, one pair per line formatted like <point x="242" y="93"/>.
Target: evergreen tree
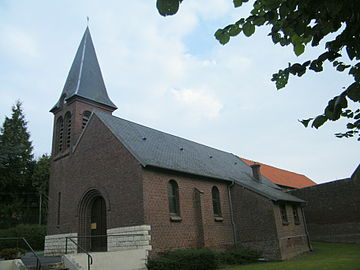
<point x="16" y="168"/>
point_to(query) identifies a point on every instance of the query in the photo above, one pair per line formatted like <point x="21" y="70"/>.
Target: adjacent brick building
<point x="144" y="188"/>
<point x="333" y="209"/>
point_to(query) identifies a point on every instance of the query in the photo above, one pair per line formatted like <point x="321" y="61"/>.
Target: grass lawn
<point x="325" y="256"/>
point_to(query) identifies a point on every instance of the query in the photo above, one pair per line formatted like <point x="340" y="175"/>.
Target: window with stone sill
<point x="173" y="197"/>
<point x="283" y="213"/>
<point x="296" y="215"/>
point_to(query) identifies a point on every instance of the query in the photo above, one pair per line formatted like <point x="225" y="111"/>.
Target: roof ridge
<point x="167" y="133"/>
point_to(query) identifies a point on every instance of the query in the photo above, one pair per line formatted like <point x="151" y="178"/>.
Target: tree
<point x="41" y="174"/>
<point x="16" y="167"/>
<point x="40" y="180"/>
<point x="302" y="23"/>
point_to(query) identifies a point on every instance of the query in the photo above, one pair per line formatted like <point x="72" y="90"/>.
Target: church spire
<point x="85" y="79"/>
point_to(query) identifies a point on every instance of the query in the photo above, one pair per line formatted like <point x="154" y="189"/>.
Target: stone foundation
<point x="55" y="244"/>
<point x="126" y="238"/>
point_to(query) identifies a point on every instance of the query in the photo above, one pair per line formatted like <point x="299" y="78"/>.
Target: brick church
<point x="111" y="177"/>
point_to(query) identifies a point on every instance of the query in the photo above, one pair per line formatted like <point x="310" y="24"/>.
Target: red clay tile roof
<point x="282" y="177"/>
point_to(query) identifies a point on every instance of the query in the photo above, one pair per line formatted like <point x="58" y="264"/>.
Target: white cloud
<point x="198" y="103"/>
<point x="18" y="43"/>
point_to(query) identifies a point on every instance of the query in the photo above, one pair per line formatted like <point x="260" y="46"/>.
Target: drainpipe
<point x="233" y="225"/>
<point x="306" y="230"/>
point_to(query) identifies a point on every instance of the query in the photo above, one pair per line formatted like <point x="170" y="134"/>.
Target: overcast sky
<point x="171" y="74"/>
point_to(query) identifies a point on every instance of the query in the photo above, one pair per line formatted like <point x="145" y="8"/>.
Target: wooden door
<point x="98" y="225"/>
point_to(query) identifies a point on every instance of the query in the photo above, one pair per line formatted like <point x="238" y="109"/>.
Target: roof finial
<point x="87" y="20"/>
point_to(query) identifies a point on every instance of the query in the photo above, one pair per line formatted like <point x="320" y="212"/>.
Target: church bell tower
<point x="84" y="91"/>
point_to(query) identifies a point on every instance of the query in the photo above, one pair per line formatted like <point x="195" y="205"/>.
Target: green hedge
<point x="201" y="259"/>
<point x="239" y="256"/>
<point x="191" y="259"/>
<point x="34" y="234"/>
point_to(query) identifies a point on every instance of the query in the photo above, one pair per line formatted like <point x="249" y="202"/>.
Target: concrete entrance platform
<point x="134" y="259"/>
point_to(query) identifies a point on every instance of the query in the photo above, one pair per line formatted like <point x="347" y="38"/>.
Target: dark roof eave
<point x="267" y="195"/>
<point x="226" y="180"/>
<point x="110" y="106"/>
<point x="56" y="107"/>
<point x="186" y="172"/>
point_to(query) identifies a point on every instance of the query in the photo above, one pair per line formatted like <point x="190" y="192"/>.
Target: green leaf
<point x="283" y="11"/>
<point x="319" y="121"/>
<point x="299" y="49"/>
<point x="237" y="3"/>
<point x="351" y="52"/>
<point x="350" y="126"/>
<point x="222" y="36"/>
<point x="342" y="67"/>
<point x="167" y="7"/>
<point x="281" y="78"/>
<point x="276" y="37"/>
<point x="234" y="30"/>
<point x="260" y="20"/>
<point x="353" y="92"/>
<point x="297" y="69"/>
<point x="248" y="29"/>
<point x="295" y="39"/>
<point x="316" y="66"/>
<point x="305" y="122"/>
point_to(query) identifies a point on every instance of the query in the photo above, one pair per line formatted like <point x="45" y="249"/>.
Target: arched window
<point x="59" y="135"/>
<point x="68" y="129"/>
<point x="85" y="118"/>
<point x="173" y="195"/>
<point x="216" y="201"/>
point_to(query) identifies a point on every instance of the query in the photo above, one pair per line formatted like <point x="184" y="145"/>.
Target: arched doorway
<point x="92" y="229"/>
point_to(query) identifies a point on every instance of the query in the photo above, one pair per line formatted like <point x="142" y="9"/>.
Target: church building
<point x="118" y="185"/>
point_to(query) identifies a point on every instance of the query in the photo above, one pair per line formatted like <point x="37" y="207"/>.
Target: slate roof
<point x="282" y="177"/>
<point x="158" y="149"/>
<point x="85" y="79"/>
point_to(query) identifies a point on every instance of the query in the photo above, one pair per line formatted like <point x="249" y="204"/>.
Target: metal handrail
<point x="38" y="263"/>
<point x="90" y="258"/>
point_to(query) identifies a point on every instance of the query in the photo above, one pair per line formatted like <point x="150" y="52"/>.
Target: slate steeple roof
<point x="85" y="79"/>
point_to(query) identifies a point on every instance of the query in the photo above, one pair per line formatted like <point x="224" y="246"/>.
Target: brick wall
<point x="259" y="226"/>
<point x="184" y="233"/>
<point x="255" y="225"/>
<point x="332" y="211"/>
